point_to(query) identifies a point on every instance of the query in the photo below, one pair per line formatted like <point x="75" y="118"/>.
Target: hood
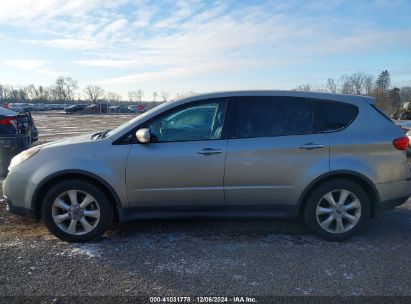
<point x="69" y="141"/>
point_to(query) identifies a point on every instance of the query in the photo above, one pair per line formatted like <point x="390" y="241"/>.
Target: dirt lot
<point x="56" y="126"/>
<point x="201" y="258"/>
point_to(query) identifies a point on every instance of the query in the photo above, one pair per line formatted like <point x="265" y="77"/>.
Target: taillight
<point x="8" y="121"/>
<point x="401" y="143"/>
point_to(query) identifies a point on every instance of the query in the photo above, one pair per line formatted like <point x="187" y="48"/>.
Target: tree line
<point x="388" y="99"/>
<point x="66" y="90"/>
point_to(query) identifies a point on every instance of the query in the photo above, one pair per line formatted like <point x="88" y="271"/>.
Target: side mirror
<point x="143" y="135"/>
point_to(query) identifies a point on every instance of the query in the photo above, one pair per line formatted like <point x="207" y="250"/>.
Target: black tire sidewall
<point x="106" y="210"/>
<point x="310" y="217"/>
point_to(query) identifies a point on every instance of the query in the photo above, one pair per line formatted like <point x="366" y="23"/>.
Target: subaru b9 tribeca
<point x="332" y="160"/>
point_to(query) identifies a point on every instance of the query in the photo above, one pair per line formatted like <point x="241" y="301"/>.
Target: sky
<point x="202" y="45"/>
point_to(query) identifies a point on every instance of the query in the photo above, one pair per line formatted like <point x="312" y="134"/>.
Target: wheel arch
<point x="359" y="178"/>
<point x="56" y="177"/>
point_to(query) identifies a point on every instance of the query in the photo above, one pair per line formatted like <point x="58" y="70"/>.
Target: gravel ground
<point x="181" y="258"/>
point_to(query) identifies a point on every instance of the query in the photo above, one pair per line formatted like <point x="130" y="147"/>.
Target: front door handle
<point x="311" y="146"/>
<point x="209" y="151"/>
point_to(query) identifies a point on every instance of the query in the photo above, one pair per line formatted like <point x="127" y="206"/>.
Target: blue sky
<point x="198" y="45"/>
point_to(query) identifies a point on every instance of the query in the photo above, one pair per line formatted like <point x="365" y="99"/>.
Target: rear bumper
<point x="393" y="194"/>
<point x="393" y="203"/>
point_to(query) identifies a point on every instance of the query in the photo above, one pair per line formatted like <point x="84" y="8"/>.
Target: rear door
<point x="272" y="152"/>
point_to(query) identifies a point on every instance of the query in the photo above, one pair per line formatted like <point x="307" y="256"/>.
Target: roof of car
<point x="316" y="95"/>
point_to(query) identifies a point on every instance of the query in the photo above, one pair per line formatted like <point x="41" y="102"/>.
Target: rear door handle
<point x="209" y="151"/>
<point x="311" y="146"/>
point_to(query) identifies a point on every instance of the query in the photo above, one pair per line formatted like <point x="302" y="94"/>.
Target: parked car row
<point x="75" y="108"/>
<point x="30" y="107"/>
<point x="104" y="108"/>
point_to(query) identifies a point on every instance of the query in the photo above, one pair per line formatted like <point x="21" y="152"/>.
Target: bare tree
<point x="64" y="88"/>
<point x="94" y="93"/>
<point x="131" y="96"/>
<point x="137" y="95"/>
<point x="22" y="93"/>
<point x="369" y="84"/>
<point x="155" y="96"/>
<point x="164" y="96"/>
<point x="140" y="94"/>
<point x="357" y="81"/>
<point x="185" y="94"/>
<point x="2" y="92"/>
<point x="405" y="94"/>
<point x="32" y="93"/>
<point x="331" y="85"/>
<point x="304" y="87"/>
<point x="346" y="85"/>
<point x="113" y="97"/>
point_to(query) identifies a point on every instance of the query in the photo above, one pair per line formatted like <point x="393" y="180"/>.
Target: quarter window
<point x="202" y="121"/>
<point x="334" y="116"/>
<point x="273" y="116"/>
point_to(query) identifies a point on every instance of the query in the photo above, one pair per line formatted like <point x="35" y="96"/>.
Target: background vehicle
<point x="404" y="113"/>
<point x="137" y="108"/>
<point x="332" y="160"/>
<point x="95" y="108"/>
<point x="17" y="132"/>
<point x="406" y="127"/>
<point x="21" y="107"/>
<point x="118" y="109"/>
<point x="75" y="108"/>
<point x="17" y="123"/>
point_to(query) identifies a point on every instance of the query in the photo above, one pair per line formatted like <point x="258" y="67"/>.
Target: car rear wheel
<point x="337" y="210"/>
<point x="76" y="211"/>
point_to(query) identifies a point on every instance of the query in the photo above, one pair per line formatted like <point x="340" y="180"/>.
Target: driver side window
<point x="200" y="121"/>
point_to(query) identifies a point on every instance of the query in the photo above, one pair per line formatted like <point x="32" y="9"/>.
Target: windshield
<point x="135" y="120"/>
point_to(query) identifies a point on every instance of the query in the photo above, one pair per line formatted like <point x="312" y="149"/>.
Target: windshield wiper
<point x="101" y="134"/>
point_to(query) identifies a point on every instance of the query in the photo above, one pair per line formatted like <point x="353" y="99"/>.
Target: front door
<point x="183" y="165"/>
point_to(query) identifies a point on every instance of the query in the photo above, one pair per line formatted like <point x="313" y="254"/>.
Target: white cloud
<point x="25" y="64"/>
<point x="106" y="63"/>
<point x="38" y="66"/>
<point x="66" y="43"/>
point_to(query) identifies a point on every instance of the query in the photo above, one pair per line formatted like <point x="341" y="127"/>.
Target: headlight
<point x="25" y="155"/>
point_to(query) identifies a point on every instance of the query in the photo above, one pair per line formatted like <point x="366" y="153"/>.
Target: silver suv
<point x="332" y="160"/>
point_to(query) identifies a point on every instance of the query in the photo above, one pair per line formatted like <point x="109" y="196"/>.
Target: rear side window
<point x="265" y="116"/>
<point x="333" y="116"/>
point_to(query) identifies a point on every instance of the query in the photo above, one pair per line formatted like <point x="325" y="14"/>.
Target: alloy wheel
<point x="76" y="212"/>
<point x="338" y="211"/>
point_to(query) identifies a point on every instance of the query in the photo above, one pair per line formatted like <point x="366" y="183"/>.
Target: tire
<point x="340" y="221"/>
<point x="83" y="221"/>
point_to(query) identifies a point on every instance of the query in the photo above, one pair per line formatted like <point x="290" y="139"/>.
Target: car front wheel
<point x="76" y="211"/>
<point x="337" y="210"/>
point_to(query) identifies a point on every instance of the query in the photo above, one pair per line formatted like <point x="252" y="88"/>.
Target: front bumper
<point x="26" y="212"/>
<point x="18" y="194"/>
